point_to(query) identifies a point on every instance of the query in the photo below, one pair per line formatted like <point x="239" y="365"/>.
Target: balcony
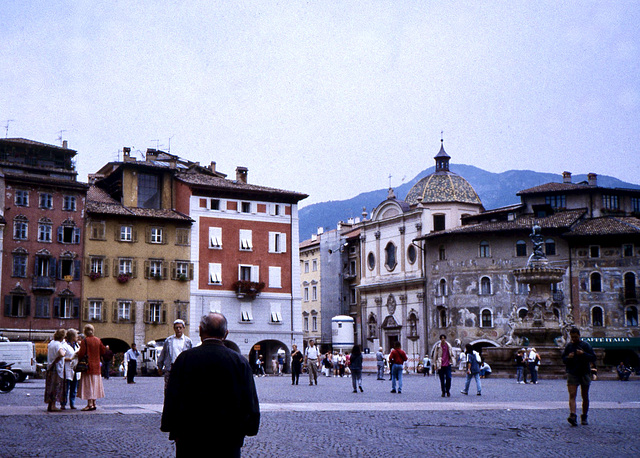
<point x="629" y="295"/>
<point x="44" y="283"/>
<point x="248" y="289"/>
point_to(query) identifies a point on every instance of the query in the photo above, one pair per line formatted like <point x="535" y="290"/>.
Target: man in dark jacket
<point x="211" y="396"/>
<point x="578" y="356"/>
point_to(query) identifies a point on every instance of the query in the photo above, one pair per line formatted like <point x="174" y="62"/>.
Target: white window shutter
<point x="255" y="273"/>
<point x="283" y="242"/>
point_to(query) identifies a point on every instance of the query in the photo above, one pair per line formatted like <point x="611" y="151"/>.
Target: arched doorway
<point x="270" y="349"/>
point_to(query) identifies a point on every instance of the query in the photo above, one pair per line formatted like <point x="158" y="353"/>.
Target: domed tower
<point x="448" y="195"/>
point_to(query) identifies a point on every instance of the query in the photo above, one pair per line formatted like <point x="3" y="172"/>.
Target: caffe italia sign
<point x="613" y="342"/>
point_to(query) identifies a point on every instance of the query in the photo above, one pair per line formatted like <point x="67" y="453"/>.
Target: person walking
<point x="131" y="361"/>
<point x="356" y="368"/>
<point x="296" y="364"/>
<point x="106" y="362"/>
<point x="54" y="383"/>
<point x="577" y="357"/>
<point x="443" y="357"/>
<point x="397" y="357"/>
<point x="71" y="347"/>
<point x="211" y="402"/>
<point x="91" y="387"/>
<point x="426" y="365"/>
<point x="473" y="369"/>
<point x="311" y="360"/>
<point x="380" y="362"/>
<point x="171" y="349"/>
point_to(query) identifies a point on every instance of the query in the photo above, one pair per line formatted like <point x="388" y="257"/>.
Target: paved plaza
<point x="329" y="419"/>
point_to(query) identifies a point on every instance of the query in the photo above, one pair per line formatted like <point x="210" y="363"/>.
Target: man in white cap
<point x="173" y="346"/>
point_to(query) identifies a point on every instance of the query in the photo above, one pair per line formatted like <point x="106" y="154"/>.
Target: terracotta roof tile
<point x="606" y="225"/>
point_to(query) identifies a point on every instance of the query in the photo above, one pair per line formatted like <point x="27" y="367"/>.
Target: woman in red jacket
<point x="91" y="381"/>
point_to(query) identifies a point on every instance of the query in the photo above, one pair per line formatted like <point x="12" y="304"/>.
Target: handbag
<point x="82" y="365"/>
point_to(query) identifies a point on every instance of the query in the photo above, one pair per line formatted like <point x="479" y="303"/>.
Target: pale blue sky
<point x="329" y="98"/>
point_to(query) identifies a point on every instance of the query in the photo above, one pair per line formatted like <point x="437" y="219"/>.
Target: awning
<point x="618" y="343"/>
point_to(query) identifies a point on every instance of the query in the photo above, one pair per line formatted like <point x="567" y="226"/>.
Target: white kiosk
<point x="342" y="333"/>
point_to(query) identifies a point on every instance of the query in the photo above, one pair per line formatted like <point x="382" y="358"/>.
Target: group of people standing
<point x="527" y="362"/>
<point x="63" y="382"/>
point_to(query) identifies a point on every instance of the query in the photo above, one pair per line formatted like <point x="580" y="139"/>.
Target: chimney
<point x="126" y="155"/>
<point x="592" y="179"/>
<point x="152" y="154"/>
<point x="64" y="144"/>
<point x="566" y="177"/>
<point x="320" y="230"/>
<point x="212" y="167"/>
<point x="241" y="174"/>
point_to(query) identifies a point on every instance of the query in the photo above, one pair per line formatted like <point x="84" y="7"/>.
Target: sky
<point x="329" y="98"/>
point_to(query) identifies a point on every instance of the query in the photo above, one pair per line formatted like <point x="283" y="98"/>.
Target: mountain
<point x="495" y="190"/>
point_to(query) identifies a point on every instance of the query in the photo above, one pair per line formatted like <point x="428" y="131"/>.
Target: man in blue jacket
<point x="578" y="356"/>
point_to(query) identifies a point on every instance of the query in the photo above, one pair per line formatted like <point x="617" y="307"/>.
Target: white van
<point x="23" y="357"/>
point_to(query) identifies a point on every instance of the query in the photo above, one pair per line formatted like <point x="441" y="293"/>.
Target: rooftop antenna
<point x="157" y="143"/>
<point x="60" y="135"/>
<point x="169" y="149"/>
<point x="6" y="128"/>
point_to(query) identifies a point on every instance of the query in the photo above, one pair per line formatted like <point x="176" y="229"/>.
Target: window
<point x="19" y="265"/>
<point x="124" y="311"/>
<point x="275" y="277"/>
<point x="521" y="248"/>
<point x="277" y="242"/>
<point x="523" y="288"/>
<point x="631" y="316"/>
<point x="610" y="202"/>
<point x="155" y="312"/>
<point x="66" y="307"/>
<point x="94" y="310"/>
<point x="314" y="265"/>
<point x="246" y="243"/>
<point x="438" y="222"/>
<point x="594" y="251"/>
<point x="69" y="203"/>
<point x="371" y="261"/>
<point x="249" y="273"/>
<point x="149" y="192"/>
<point x="97" y="230"/>
<point x="46" y="200"/>
<point x="22" y="198"/>
<point x="352" y="296"/>
<point x="306" y="267"/>
<point x="246" y="315"/>
<point x="183" y="236"/>
<point x="352" y="268"/>
<point x="306" y="294"/>
<point x="486" y="318"/>
<point x="306" y="324"/>
<point x="550" y="247"/>
<point x="559" y="201"/>
<point x="627" y="250"/>
<point x="390" y="256"/>
<point x="597" y="316"/>
<point x="442" y="254"/>
<point x="68" y="233"/>
<point x="314" y="323"/>
<point x="635" y="205"/>
<point x="17" y="305"/>
<point x="276" y="313"/>
<point x="245" y="207"/>
<point x="442" y="287"/>
<point x="126" y="234"/>
<point x="595" y="283"/>
<point x="412" y="254"/>
<point x="44" y="230"/>
<point x="630" y="285"/>
<point x="126" y="266"/>
<point x="442" y="317"/>
<point x="156" y="235"/>
<point x="20" y="226"/>
<point x="97" y="266"/>
<point x="42" y="307"/>
<point x="155" y="269"/>
<point x="215" y="273"/>
<point x="214" y="204"/>
<point x="45" y="267"/>
<point x="314" y="293"/>
<point x="484" y="249"/>
<point x="215" y="238"/>
<point x="485" y="286"/>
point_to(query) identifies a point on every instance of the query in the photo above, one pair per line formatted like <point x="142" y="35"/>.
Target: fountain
<point x="546" y="324"/>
